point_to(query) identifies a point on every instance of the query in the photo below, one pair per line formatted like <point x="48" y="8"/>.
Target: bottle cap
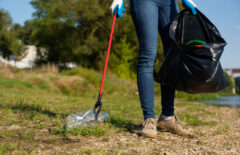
<point x="196" y="43"/>
<point x="105" y="115"/>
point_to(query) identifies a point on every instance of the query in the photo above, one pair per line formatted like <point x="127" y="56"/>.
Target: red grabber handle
<point x="99" y="103"/>
<point x="107" y="56"/>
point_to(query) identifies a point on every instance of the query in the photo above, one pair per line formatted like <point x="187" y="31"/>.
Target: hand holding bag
<point x="192" y="63"/>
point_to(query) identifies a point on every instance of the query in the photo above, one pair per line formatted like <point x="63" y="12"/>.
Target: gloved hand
<point x="190" y="4"/>
<point x="118" y="4"/>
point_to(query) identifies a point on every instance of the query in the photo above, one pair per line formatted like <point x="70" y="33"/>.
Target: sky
<point x="20" y="10"/>
<point x="224" y="14"/>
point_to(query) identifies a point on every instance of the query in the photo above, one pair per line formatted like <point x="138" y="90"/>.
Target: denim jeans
<point x="151" y="17"/>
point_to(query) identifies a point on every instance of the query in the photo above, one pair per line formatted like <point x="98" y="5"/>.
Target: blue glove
<point x="190" y="4"/>
<point x="117" y="4"/>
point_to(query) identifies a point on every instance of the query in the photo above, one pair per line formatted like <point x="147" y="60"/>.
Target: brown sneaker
<point x="149" y="128"/>
<point x="173" y="125"/>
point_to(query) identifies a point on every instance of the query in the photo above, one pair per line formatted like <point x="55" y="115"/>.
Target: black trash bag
<point x="192" y="63"/>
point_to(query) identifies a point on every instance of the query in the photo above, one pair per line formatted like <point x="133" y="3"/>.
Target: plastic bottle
<point x="84" y="119"/>
<point x="196" y="43"/>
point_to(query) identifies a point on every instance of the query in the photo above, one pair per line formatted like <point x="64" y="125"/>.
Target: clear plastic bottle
<point x="84" y="119"/>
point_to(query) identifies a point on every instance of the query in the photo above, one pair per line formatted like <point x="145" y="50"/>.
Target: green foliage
<point x="9" y="44"/>
<point x="78" y="31"/>
<point x="125" y="59"/>
<point x="237" y="82"/>
<point x="5" y="19"/>
<point x="229" y="89"/>
<point x="24" y="33"/>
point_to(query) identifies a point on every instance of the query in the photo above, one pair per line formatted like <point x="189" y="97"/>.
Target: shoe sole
<point x="148" y="135"/>
<point x="175" y="132"/>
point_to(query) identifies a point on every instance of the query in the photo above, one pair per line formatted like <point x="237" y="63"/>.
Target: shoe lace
<point x="149" y="121"/>
<point x="178" y="121"/>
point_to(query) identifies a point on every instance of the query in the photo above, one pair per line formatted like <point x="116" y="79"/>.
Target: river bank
<point x="230" y="101"/>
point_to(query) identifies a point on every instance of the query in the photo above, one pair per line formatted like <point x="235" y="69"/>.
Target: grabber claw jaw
<point x="98" y="106"/>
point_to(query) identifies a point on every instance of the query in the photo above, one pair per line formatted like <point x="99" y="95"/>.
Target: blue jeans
<point x="151" y="17"/>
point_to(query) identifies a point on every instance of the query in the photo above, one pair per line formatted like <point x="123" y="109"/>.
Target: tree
<point x="237" y="81"/>
<point x="78" y="30"/>
<point x="231" y="86"/>
<point x="5" y="20"/>
<point x="125" y="59"/>
<point x="24" y="32"/>
<point x="9" y="44"/>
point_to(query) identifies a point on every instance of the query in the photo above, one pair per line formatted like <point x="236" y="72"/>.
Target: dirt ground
<point x="223" y="138"/>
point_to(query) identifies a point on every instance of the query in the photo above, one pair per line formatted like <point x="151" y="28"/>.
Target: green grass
<point x="98" y="131"/>
<point x="114" y="122"/>
<point x="194" y="108"/>
<point x="193" y="97"/>
<point x="121" y="123"/>
<point x="40" y="83"/>
<point x="228" y="144"/>
<point x="112" y="84"/>
<point x="202" y="143"/>
<point x="194" y="120"/>
<point x="221" y="130"/>
<point x="93" y="151"/>
<point x="39" y="103"/>
<point x="26" y="135"/>
<point x="90" y="75"/>
<point x="183" y="104"/>
<point x="14" y="83"/>
<point x="8" y="147"/>
<point x="33" y="109"/>
<point x="199" y="109"/>
<point x="6" y="134"/>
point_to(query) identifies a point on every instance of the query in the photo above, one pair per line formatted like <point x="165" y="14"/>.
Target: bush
<point x="237" y="81"/>
<point x="228" y="90"/>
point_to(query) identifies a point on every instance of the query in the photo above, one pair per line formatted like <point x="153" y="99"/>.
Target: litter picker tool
<point x="98" y="105"/>
<point x="92" y="117"/>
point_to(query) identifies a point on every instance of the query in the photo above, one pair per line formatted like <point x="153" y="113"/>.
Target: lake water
<point x="233" y="101"/>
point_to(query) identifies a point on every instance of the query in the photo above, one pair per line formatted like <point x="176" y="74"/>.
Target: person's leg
<point x="170" y="122"/>
<point x="167" y="11"/>
<point x="145" y="17"/>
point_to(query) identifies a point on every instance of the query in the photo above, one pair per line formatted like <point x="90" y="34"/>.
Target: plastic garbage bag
<point x="192" y="62"/>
